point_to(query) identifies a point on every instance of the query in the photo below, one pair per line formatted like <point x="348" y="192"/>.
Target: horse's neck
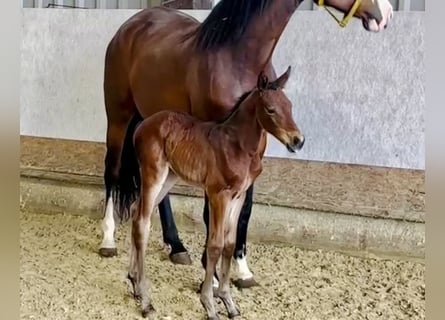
<point x="258" y="42"/>
<point x="244" y="126"/>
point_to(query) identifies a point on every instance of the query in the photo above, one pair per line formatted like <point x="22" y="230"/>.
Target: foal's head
<point x="274" y="111"/>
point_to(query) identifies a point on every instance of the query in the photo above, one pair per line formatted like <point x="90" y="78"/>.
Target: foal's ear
<point x="281" y="81"/>
<point x="263" y="81"/>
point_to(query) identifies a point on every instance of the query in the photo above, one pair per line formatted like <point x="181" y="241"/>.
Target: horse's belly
<point x="160" y="62"/>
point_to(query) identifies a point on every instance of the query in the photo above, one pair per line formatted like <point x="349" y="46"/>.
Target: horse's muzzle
<point x="296" y="144"/>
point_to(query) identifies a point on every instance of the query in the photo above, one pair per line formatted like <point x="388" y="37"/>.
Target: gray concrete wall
<point x="359" y="97"/>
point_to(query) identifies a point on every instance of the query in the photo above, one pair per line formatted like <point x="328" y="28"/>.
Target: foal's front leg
<point x="230" y="227"/>
<point x="206" y="217"/>
<point x="215" y="244"/>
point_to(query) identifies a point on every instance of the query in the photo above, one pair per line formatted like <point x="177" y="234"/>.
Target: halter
<point x="347" y="17"/>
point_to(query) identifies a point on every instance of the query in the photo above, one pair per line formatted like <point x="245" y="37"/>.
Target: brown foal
<point x="224" y="159"/>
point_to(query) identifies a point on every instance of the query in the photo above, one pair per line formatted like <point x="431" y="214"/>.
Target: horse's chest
<point x="216" y="103"/>
<point x="213" y="108"/>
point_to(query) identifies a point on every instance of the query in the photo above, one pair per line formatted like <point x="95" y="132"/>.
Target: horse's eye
<point x="270" y="110"/>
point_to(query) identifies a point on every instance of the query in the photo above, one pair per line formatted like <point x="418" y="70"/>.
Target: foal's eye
<point x="270" y="110"/>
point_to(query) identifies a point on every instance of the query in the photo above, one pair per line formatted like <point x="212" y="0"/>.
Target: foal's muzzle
<point x="296" y="144"/>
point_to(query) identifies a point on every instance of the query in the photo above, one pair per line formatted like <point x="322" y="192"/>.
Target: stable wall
<point x="358" y="97"/>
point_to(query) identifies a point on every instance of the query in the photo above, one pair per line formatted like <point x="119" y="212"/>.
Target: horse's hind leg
<point x="231" y="222"/>
<point x="244" y="278"/>
<point x="120" y="110"/>
<point x="115" y="141"/>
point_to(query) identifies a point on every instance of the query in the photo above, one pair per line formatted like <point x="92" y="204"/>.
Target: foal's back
<point x="178" y="139"/>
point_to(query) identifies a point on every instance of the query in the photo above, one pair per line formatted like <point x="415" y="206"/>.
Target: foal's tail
<point x="129" y="182"/>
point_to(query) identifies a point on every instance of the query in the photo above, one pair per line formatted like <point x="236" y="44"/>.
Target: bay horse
<point x="223" y="158"/>
<point x="163" y="59"/>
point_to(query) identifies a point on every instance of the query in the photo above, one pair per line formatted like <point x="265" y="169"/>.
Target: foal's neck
<point x="261" y="36"/>
<point x="244" y="127"/>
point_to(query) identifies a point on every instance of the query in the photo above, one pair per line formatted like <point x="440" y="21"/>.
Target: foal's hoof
<point x="181" y="258"/>
<point x="234" y="314"/>
<point x="245" y="283"/>
<point x="136" y="294"/>
<point x="108" y="252"/>
<point x="148" y="310"/>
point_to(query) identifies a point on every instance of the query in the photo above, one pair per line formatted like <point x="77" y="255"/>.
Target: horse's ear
<point x="281" y="81"/>
<point x="262" y="81"/>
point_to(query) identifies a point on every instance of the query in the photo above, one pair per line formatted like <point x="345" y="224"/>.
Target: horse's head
<point x="375" y="14"/>
<point x="274" y="111"/>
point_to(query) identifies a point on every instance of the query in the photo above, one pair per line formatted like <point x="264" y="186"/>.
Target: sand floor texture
<point x="63" y="277"/>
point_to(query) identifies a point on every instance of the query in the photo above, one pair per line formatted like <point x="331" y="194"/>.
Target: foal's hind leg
<point x="132" y="270"/>
<point x="231" y="221"/>
<point x="152" y="184"/>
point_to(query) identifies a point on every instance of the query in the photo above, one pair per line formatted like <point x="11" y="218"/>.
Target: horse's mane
<point x="228" y="21"/>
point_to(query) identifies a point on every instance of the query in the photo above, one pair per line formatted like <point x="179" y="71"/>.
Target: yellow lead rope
<point x="348" y="17"/>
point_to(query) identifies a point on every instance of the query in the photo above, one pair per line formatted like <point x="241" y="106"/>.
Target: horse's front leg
<point x="244" y="277"/>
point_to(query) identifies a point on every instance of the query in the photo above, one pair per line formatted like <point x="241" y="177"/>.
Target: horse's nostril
<point x="299" y="142"/>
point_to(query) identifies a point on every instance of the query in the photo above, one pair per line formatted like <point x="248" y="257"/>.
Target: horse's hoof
<point x="148" y="310"/>
<point x="181" y="258"/>
<point x="108" y="252"/>
<point x="213" y="318"/>
<point x="245" y="283"/>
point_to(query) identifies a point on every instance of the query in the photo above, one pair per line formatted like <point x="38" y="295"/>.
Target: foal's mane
<point x="269" y="86"/>
<point x="228" y="21"/>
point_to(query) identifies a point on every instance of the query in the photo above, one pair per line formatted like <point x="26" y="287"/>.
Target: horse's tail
<point x="128" y="184"/>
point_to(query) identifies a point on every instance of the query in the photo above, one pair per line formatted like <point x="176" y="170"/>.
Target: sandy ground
<point x="62" y="277"/>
